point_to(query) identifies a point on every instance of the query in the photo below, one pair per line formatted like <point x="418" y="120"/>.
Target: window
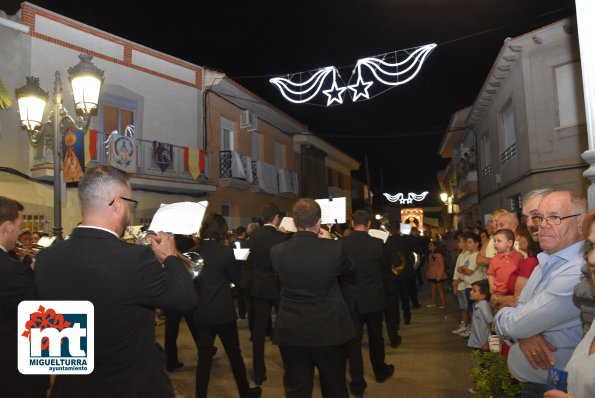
<point x="227" y="133"/>
<point x="255" y="138"/>
<point x="508" y="128"/>
<point x="569" y="90"/>
<point x="116" y="113"/>
<point x="279" y="152"/>
<point x="516" y="203"/>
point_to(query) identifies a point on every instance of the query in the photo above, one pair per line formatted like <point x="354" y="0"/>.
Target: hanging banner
<point x="74" y="155"/>
<point x="194" y="161"/>
<point x="90" y="142"/>
<point x="123" y="152"/>
<point x="163" y="154"/>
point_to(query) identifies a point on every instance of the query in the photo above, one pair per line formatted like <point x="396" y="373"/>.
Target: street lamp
<point x="86" y="80"/>
<point x="444" y="197"/>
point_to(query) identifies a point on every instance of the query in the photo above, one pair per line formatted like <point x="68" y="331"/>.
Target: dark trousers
<point x="262" y="317"/>
<point x="533" y="390"/>
<point x="410" y="287"/>
<point x="246" y="307"/>
<point x="228" y="334"/>
<point x="299" y="364"/>
<point x="373" y="322"/>
<point x="391" y="316"/>
<point x="172" y="329"/>
<point x="403" y="296"/>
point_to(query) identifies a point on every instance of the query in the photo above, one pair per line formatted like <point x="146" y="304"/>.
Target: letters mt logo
<point x="56" y="337"/>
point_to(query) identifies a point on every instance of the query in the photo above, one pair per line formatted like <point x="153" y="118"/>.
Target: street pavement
<point x="430" y="362"/>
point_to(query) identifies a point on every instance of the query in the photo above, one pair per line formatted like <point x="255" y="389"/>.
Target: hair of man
<point x="361" y="217"/>
<point x="306" y="213"/>
<point x="9" y="209"/>
<point x="268" y="212"/>
<point x="538" y="192"/>
<point x="507" y="233"/>
<point x="99" y="186"/>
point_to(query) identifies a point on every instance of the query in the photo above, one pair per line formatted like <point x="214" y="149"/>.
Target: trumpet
<point x="398" y="268"/>
<point x="23" y="251"/>
<point x="193" y="261"/>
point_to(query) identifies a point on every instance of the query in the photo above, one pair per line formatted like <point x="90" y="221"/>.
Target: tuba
<point x="397" y="269"/>
<point x="193" y="261"/>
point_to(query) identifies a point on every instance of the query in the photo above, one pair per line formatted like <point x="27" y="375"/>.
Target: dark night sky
<point x="400" y="131"/>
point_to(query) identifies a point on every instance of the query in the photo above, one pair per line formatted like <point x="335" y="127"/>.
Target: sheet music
<point x="288" y="224"/>
<point x="241" y="254"/>
<point x="333" y="211"/>
<point x="46" y="241"/>
<point x="182" y="218"/>
<point x="405" y="229"/>
<point x="378" y="233"/>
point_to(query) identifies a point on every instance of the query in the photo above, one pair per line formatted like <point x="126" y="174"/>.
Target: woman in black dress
<point x="215" y="314"/>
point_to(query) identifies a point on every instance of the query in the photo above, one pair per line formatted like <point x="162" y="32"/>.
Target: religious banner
<point x="163" y="154"/>
<point x="74" y="156"/>
<point x="123" y="151"/>
<point x="194" y="161"/>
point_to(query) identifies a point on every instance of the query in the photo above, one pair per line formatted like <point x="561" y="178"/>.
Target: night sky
<point x="251" y="41"/>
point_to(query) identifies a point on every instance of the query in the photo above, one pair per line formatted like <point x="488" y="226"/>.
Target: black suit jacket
<point x="212" y="285"/>
<point x="16" y="285"/>
<point x="367" y="254"/>
<point x="246" y="267"/>
<point x="312" y="312"/>
<point x="266" y="282"/>
<point x="125" y="283"/>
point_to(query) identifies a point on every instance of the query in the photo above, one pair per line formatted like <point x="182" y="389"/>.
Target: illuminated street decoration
<point x="409" y="199"/>
<point x="371" y="76"/>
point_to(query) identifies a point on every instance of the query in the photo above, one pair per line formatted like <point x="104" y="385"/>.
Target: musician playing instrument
<point x="124" y="282"/>
<point x="16" y="285"/>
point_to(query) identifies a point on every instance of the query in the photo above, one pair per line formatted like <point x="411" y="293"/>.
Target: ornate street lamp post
<point x="86" y="81"/>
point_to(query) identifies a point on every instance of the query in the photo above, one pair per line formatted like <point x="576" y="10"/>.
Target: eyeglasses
<point x="551" y="220"/>
<point x="131" y="203"/>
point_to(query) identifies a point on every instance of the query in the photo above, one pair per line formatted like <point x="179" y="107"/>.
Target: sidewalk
<point x="430" y="362"/>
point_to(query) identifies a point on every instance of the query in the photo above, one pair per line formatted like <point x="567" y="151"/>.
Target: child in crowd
<point x="482" y="316"/>
<point x="436" y="275"/>
<point x="471" y="272"/>
<point x="505" y="262"/>
<point x="458" y="285"/>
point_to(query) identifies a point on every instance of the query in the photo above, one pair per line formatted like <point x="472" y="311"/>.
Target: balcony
<point x="148" y="175"/>
<point x="269" y="179"/>
<point x="235" y="170"/>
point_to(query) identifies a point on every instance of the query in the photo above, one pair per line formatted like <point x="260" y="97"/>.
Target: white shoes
<point x="466" y="332"/>
<point x="459" y="328"/>
<point x="431" y="305"/>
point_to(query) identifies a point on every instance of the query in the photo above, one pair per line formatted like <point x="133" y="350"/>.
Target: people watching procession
<point x="319" y="292"/>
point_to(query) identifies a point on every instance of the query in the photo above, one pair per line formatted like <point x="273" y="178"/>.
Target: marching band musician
<point x="16" y="285"/>
<point x="124" y="282"/>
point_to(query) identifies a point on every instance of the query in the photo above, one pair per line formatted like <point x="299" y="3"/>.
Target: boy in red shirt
<point x="504" y="263"/>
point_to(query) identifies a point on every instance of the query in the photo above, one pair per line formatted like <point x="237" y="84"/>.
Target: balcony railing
<point x="508" y="154"/>
<point x="237" y="171"/>
<point x="146" y="166"/>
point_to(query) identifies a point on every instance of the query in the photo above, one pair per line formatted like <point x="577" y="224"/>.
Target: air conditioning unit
<point x="249" y="121"/>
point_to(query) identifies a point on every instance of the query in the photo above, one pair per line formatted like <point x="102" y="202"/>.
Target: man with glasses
<point x="545" y="327"/>
<point x="530" y="208"/>
<point x="125" y="283"/>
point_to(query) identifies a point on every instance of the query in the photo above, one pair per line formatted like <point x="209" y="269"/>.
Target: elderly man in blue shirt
<point x="545" y="326"/>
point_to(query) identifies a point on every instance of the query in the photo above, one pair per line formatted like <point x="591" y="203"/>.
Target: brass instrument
<point x="397" y="269"/>
<point x="193" y="262"/>
<point x="23" y="251"/>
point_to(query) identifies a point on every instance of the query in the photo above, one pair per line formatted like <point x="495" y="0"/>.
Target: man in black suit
<point x="16" y="285"/>
<point x="366" y="301"/>
<point x="125" y="283"/>
<point x="245" y="301"/>
<point x="313" y="326"/>
<point x="265" y="285"/>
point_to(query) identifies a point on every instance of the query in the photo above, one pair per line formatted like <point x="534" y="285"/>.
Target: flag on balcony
<point x="194" y="161"/>
<point x="90" y="142"/>
<point x="74" y="155"/>
<point x="163" y="154"/>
